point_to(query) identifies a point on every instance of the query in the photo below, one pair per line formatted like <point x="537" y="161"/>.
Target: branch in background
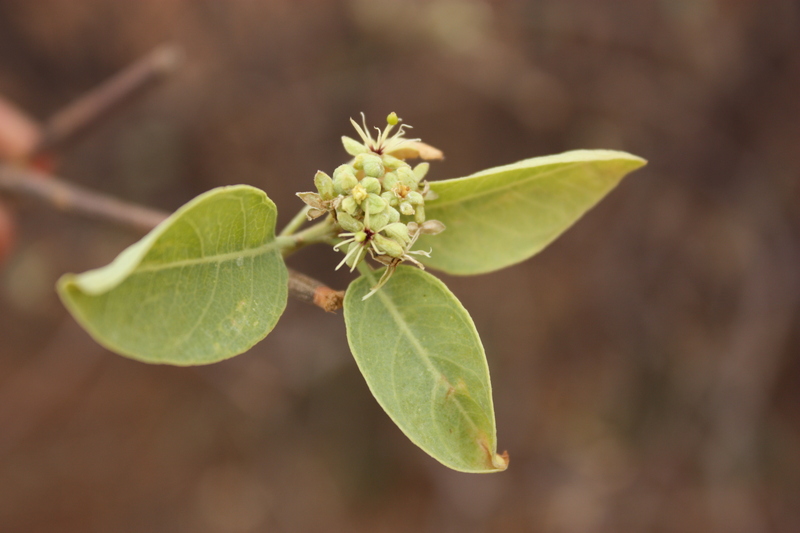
<point x="73" y="199"/>
<point x="21" y="138"/>
<point x="100" y="102"/>
<point x="19" y="134"/>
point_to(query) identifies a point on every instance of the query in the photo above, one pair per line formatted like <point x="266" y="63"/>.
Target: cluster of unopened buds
<point x="377" y="199"/>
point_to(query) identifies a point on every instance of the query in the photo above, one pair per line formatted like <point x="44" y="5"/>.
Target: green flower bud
<point x="372" y="185"/>
<point x="415" y="198"/>
<point x="391" y="162"/>
<point x="352" y="146"/>
<point x="388" y="246"/>
<point x="398" y="232"/>
<point x="344" y="179"/>
<point x="406" y="176"/>
<point x="420" y="171"/>
<point x="394" y="215"/>
<point x="379" y="220"/>
<point x="348" y="223"/>
<point x="374" y="204"/>
<point x="389" y="181"/>
<point x="343" y="169"/>
<point x="324" y="185"/>
<point x="390" y="197"/>
<point x="372" y="165"/>
<point x="419" y="216"/>
<point x="406" y="208"/>
<point x="349" y="206"/>
<point x="359" y="193"/>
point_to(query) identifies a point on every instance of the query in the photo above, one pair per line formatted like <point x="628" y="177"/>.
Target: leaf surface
<point x="504" y="215"/>
<point x="422" y="359"/>
<point x="205" y="285"/>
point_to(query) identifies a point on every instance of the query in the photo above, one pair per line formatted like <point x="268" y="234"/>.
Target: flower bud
<point x="344" y="179"/>
<point x="374" y="204"/>
<point x="379" y="220"/>
<point x="420" y="171"/>
<point x="406" y="208"/>
<point x="394" y="215"/>
<point x="324" y="185"/>
<point x="348" y="223"/>
<point x="352" y="146"/>
<point x="389" y="181"/>
<point x="388" y="246"/>
<point x="419" y="216"/>
<point x="391" y="162"/>
<point x="343" y="169"/>
<point x="398" y="232"/>
<point x="372" y="165"/>
<point x="349" y="206"/>
<point x="372" y="185"/>
<point x="415" y="198"/>
<point x="390" y="198"/>
<point x="406" y="176"/>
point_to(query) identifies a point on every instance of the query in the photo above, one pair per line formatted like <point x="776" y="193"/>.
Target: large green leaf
<point x="419" y="351"/>
<point x="205" y="285"/>
<point x="504" y="215"/>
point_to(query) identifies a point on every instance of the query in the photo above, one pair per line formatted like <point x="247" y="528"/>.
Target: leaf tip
<point x="500" y="461"/>
<point x="495" y="462"/>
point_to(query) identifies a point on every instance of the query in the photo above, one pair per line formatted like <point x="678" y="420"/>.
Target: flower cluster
<point x="377" y="198"/>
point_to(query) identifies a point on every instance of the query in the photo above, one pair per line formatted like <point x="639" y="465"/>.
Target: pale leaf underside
<point x="423" y="361"/>
<point x="205" y="285"/>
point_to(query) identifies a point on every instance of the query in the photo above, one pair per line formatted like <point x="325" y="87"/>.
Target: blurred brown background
<point x="645" y="366"/>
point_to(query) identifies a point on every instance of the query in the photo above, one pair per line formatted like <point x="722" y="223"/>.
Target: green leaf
<point x="419" y="351"/>
<point x="205" y="285"/>
<point x="504" y="215"/>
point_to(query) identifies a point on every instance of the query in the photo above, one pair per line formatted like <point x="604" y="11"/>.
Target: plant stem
<point x="100" y="102"/>
<point x="294" y="224"/>
<point x="320" y="232"/>
<point x="312" y="291"/>
<point x="365" y="269"/>
<point x="69" y="198"/>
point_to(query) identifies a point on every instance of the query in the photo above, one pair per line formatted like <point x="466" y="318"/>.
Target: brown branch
<point x="19" y="134"/>
<point x="73" y="199"/>
<point x="315" y="292"/>
<point x="100" y="102"/>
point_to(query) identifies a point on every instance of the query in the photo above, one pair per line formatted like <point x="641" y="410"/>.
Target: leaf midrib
<point x="558" y="167"/>
<point x="275" y="244"/>
<point x="420" y="351"/>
